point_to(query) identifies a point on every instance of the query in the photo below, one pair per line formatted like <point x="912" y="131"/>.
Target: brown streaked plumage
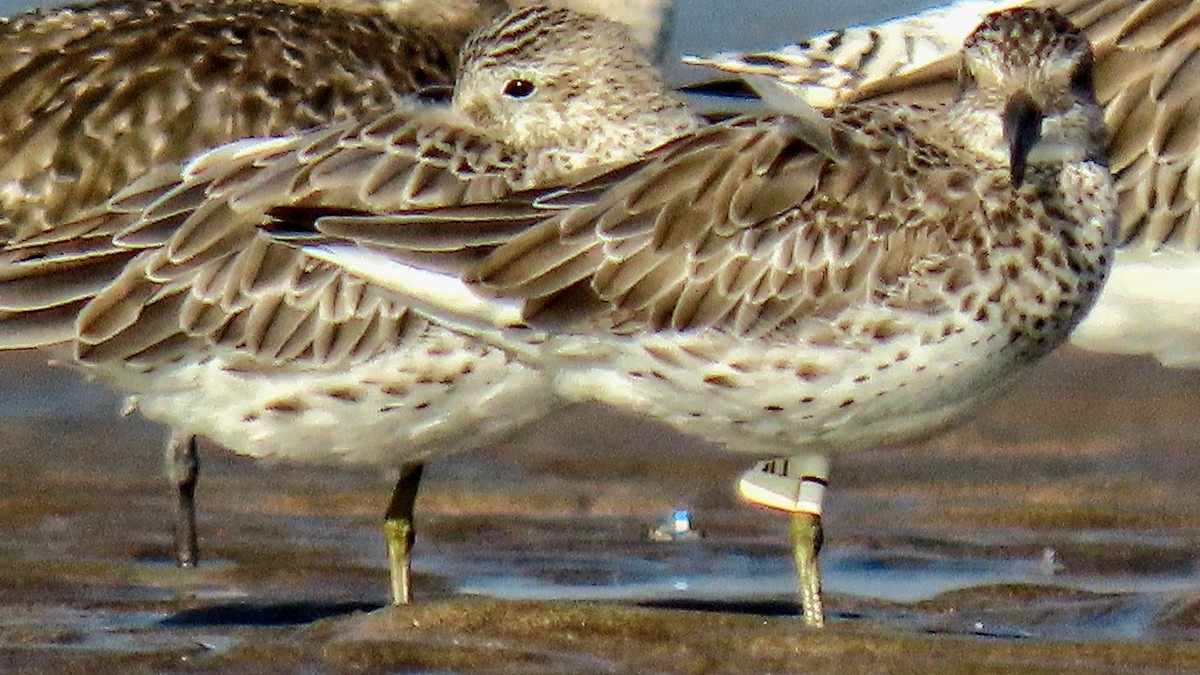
<point x="95" y="96"/>
<point x="174" y="295"/>
<point x="801" y="284"/>
<point x="1146" y="74"/>
<point x="758" y="231"/>
<point x="593" y="73"/>
<point x="643" y="18"/>
<point x="461" y="16"/>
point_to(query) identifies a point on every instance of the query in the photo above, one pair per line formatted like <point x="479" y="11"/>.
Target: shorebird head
<point x="1034" y="68"/>
<point x="566" y="84"/>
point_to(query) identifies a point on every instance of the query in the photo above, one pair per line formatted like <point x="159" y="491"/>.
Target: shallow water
<point x="1069" y="511"/>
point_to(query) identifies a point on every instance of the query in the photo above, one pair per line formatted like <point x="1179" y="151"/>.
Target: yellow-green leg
<point x="807" y="537"/>
<point x="183" y="470"/>
<point x="399" y="532"/>
<point x="796" y="485"/>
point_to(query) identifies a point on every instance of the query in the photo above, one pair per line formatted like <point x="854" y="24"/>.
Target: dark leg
<point x="183" y="469"/>
<point x="399" y="532"/>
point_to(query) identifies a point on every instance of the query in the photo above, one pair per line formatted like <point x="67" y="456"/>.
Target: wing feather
<point x="759" y="224"/>
<point x="187" y="76"/>
<point x="180" y="256"/>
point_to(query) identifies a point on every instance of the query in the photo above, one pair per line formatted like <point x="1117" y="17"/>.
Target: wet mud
<point x="1059" y="531"/>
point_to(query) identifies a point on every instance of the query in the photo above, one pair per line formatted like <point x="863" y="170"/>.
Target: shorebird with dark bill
<point x="1145" y="74"/>
<point x="1146" y="79"/>
<point x="796" y="283"/>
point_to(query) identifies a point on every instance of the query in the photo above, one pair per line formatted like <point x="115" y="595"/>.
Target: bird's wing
<point x="742" y="227"/>
<point x="193" y="254"/>
<point x="92" y="98"/>
<point x="829" y="68"/>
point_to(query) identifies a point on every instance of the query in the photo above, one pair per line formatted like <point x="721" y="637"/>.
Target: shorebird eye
<point x="518" y="88"/>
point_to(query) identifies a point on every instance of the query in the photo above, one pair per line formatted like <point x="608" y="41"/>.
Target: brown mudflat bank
<point x="1058" y="531"/>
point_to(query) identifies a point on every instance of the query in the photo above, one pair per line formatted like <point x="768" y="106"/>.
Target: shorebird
<point x="1146" y="75"/>
<point x="171" y="293"/>
<point x="93" y="97"/>
<point x="792" y="283"/>
<point x="96" y="96"/>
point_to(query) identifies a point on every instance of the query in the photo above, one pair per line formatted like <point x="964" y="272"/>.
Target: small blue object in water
<point x="683" y="521"/>
<point x="677" y="528"/>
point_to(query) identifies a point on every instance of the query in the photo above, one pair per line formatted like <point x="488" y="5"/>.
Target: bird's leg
<point x="796" y="485"/>
<point x="399" y="532"/>
<point x="183" y="470"/>
<point x="807" y="537"/>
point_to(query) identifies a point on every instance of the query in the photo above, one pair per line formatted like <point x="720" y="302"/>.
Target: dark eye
<point x="518" y="88"/>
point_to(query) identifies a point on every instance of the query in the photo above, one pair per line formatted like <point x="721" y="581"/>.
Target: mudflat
<point x="1058" y="531"/>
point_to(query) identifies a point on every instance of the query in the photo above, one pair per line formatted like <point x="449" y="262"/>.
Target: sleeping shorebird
<point x="1145" y="66"/>
<point x="793" y="283"/>
<point x="96" y="96"/>
<point x="217" y="330"/>
<point x="93" y="97"/>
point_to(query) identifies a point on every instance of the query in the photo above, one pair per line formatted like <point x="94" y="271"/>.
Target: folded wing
<point x="189" y="255"/>
<point x="741" y="227"/>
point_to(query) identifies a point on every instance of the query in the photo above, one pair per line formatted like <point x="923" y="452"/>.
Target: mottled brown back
<point x="93" y="96"/>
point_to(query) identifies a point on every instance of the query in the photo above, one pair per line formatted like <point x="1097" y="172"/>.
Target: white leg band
<point x="792" y="484"/>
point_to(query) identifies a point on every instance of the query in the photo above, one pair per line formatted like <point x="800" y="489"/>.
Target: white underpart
<point x="1151" y="306"/>
<point x="761" y="410"/>
<point x="441" y="393"/>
